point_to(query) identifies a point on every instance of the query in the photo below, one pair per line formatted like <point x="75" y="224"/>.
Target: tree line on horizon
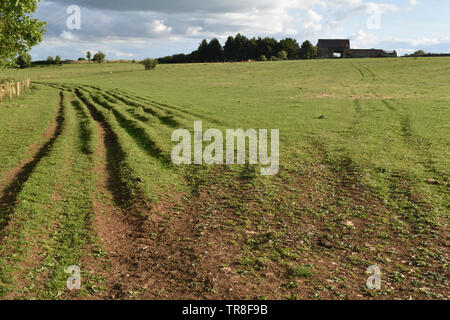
<point x="241" y="48"/>
<point x="24" y="60"/>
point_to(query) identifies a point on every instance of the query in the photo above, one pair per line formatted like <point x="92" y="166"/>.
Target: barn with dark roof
<point x="329" y="48"/>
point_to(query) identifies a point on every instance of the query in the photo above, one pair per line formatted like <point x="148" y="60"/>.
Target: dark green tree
<point x="267" y="47"/>
<point x="419" y="53"/>
<point x="203" y="51"/>
<point x="229" y="50"/>
<point x="307" y="51"/>
<point x="290" y="46"/>
<point x="214" y="51"/>
<point x="19" y="31"/>
<point x="240" y="44"/>
<point x="252" y="51"/>
<point x="50" y="60"/>
<point x="24" y="61"/>
<point x="99" y="57"/>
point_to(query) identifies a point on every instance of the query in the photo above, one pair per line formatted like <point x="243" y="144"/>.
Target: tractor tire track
<point x="109" y="222"/>
<point x="372" y="74"/>
<point x="117" y="217"/>
<point x="115" y="156"/>
<point x="137" y="259"/>
<point x="363" y="76"/>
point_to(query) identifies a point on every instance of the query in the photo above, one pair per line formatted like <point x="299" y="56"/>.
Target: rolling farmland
<point x="86" y="179"/>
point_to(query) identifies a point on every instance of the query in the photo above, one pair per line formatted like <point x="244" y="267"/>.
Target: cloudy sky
<point x="135" y="29"/>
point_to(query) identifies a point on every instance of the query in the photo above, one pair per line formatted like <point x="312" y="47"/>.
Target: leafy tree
<point x="241" y="48"/>
<point x="150" y="64"/>
<point x="89" y="56"/>
<point x="240" y="44"/>
<point x="19" y="31"/>
<point x="203" y="51"/>
<point x="419" y="53"/>
<point x="99" y="57"/>
<point x="50" y="60"/>
<point x="268" y="46"/>
<point x="307" y="50"/>
<point x="214" y="51"/>
<point x="251" y="49"/>
<point x="290" y="46"/>
<point x="58" y="60"/>
<point x="24" y="61"/>
<point x="229" y="49"/>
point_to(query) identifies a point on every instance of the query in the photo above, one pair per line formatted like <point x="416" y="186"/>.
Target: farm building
<point x="326" y="48"/>
<point x="329" y="48"/>
<point x="370" y="53"/>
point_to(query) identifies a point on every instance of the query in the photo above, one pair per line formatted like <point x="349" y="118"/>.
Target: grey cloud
<point x="172" y="6"/>
<point x="102" y="19"/>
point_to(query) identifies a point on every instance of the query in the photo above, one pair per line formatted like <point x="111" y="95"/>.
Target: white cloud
<point x="363" y="40"/>
<point x="122" y="24"/>
<point x="380" y="8"/>
<point x="159" y="27"/>
<point x="194" y="31"/>
<point x="67" y="35"/>
<point x="312" y="21"/>
<point x="291" y="31"/>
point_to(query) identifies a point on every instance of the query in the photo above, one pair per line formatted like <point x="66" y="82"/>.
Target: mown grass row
<point x="48" y="228"/>
<point x="141" y="171"/>
<point x="144" y="136"/>
<point x="74" y="229"/>
<point x="87" y="130"/>
<point x="166" y="117"/>
<point x="22" y="124"/>
<point x="130" y="115"/>
<point x="181" y="113"/>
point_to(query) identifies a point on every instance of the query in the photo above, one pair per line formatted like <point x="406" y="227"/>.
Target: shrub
<point x="273" y="58"/>
<point x="282" y="55"/>
<point x="262" y="58"/>
<point x="150" y="64"/>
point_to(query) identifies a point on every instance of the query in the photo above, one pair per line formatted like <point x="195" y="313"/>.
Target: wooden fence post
<point x="13" y="89"/>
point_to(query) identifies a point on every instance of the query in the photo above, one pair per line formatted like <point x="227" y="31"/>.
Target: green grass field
<point x="86" y="179"/>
